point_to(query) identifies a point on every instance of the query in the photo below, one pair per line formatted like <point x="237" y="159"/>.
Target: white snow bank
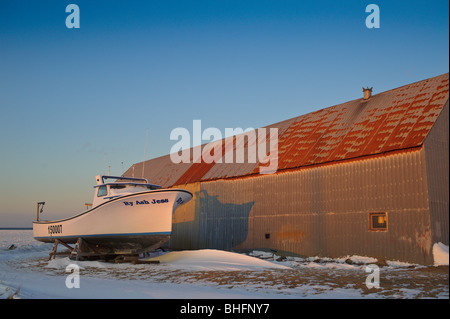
<point x="402" y="264"/>
<point x="211" y="259"/>
<point x="263" y="254"/>
<point x="440" y="254"/>
<point x="346" y="262"/>
<point x="361" y="259"/>
<point x="13" y="240"/>
<point x="355" y="259"/>
<point x="192" y="260"/>
<point x="6" y="292"/>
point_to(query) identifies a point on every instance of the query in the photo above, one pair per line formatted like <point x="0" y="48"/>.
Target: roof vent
<point x="367" y="93"/>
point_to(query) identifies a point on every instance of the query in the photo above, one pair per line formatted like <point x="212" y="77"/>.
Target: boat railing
<point x="123" y="178"/>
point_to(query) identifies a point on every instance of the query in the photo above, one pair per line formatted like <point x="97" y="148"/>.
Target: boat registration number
<point x="55" y="229"/>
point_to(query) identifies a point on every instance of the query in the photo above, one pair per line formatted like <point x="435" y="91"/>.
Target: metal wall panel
<point x="336" y="166"/>
<point x="436" y="151"/>
<point x="319" y="211"/>
<point x="185" y="222"/>
<point x="332" y="205"/>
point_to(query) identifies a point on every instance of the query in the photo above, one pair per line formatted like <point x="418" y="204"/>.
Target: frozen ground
<point x="26" y="273"/>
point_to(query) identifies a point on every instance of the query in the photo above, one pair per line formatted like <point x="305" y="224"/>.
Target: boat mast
<point x="145" y="150"/>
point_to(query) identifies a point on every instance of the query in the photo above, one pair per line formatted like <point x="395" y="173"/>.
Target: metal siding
<point x="436" y="151"/>
<point x="336" y="165"/>
<point x="215" y="217"/>
<point x="224" y="214"/>
<point x="185" y="222"/>
<point x="321" y="210"/>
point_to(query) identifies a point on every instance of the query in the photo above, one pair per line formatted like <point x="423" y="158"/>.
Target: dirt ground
<point x="429" y="282"/>
<point x="303" y="280"/>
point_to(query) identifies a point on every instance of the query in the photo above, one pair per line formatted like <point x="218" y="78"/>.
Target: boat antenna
<point x="145" y="150"/>
<point x="39" y="209"/>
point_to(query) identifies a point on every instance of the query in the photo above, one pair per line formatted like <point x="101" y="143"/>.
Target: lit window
<point x="378" y="221"/>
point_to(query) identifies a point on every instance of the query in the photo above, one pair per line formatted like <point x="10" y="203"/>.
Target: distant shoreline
<point x="16" y="228"/>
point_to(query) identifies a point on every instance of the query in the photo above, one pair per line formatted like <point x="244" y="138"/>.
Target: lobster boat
<point x="128" y="216"/>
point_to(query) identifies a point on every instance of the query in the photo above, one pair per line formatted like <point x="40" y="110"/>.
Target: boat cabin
<point x="105" y="191"/>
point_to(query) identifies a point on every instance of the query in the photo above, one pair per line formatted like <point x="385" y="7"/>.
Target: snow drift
<point x="211" y="259"/>
<point x="440" y="254"/>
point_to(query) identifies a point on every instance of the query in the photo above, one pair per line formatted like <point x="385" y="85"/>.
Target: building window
<point x="378" y="222"/>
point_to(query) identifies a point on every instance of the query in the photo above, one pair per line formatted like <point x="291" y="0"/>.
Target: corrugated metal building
<point x="366" y="177"/>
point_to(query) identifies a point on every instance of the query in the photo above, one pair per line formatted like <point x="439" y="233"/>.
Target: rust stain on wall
<point x="290" y="236"/>
<point x="423" y="240"/>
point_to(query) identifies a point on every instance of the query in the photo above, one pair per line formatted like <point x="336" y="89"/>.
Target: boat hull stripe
<point x="104" y="235"/>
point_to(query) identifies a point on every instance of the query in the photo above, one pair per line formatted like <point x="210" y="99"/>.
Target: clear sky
<point x="75" y="101"/>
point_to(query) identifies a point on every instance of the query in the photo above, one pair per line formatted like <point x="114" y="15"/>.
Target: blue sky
<point x="75" y="101"/>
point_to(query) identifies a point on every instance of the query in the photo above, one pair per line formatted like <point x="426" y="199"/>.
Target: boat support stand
<point x="75" y="252"/>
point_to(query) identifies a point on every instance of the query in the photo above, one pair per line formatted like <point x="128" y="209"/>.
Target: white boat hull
<point x="127" y="224"/>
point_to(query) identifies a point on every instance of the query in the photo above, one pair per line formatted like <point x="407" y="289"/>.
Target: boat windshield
<point x="102" y="191"/>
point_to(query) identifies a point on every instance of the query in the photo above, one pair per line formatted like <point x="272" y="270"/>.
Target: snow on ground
<point x="26" y="273"/>
<point x="211" y="259"/>
<point x="440" y="254"/>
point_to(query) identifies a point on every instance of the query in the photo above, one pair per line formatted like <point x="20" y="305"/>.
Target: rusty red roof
<point x="389" y="121"/>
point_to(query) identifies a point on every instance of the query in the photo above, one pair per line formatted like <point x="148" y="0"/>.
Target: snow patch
<point x="440" y="254"/>
<point x="211" y="259"/>
<point x="26" y="273"/>
<point x="402" y="264"/>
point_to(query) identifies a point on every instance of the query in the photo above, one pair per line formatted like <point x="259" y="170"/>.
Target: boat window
<point x="101" y="191"/>
<point x="118" y="186"/>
